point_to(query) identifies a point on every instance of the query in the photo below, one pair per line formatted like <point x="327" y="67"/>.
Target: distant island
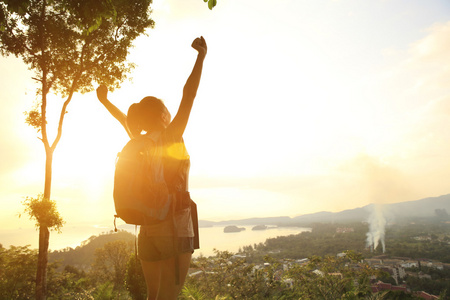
<point x="260" y="227"/>
<point x="233" y="228"/>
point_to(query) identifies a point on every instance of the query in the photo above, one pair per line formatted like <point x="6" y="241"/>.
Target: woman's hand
<point x="199" y="44"/>
<point x="102" y="93"/>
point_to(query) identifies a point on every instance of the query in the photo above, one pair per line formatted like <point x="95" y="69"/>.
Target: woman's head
<point x="149" y="114"/>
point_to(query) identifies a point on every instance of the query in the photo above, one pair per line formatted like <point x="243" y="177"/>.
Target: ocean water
<point x="214" y="237"/>
<point x="210" y="237"/>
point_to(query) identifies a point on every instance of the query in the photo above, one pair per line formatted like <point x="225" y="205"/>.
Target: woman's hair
<point x="145" y="115"/>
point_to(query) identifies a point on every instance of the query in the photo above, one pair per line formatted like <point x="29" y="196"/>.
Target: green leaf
<point x="44" y="212"/>
<point x="97" y="24"/>
<point x="211" y="3"/>
<point x="19" y="7"/>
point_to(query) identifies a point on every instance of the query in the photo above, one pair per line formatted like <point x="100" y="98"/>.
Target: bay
<point x="210" y="237"/>
<point x="214" y="238"/>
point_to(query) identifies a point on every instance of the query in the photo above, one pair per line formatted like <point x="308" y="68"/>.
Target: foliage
<point x="73" y="43"/>
<point x="110" y="263"/>
<point x="432" y="286"/>
<point x="134" y="279"/>
<point x="192" y="293"/>
<point x="83" y="256"/>
<point x="34" y="119"/>
<point x="17" y="269"/>
<point x="71" y="283"/>
<point x="211" y="3"/>
<point x="231" y="277"/>
<point x="331" y="278"/>
<point x="224" y="276"/>
<point x="44" y="212"/>
<point x="104" y="291"/>
<point x="69" y="44"/>
<point x="322" y="240"/>
<point x="401" y="240"/>
<point x="420" y="238"/>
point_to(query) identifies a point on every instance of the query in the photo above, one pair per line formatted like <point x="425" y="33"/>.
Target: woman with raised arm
<point x="165" y="264"/>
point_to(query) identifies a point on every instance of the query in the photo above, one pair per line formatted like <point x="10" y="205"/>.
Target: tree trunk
<point x="44" y="233"/>
<point x="41" y="275"/>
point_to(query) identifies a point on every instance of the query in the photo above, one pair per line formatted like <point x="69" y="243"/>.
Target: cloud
<point x="420" y="105"/>
<point x="434" y="47"/>
<point x="430" y="57"/>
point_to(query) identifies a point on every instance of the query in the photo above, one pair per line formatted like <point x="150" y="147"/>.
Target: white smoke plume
<point x="377" y="225"/>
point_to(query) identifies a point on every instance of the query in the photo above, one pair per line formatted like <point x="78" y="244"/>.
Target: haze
<point x="304" y="106"/>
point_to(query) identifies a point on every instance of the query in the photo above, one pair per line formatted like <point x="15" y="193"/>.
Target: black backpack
<point x="140" y="194"/>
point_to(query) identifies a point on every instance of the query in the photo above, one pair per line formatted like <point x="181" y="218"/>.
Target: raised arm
<point x="102" y="95"/>
<point x="178" y="125"/>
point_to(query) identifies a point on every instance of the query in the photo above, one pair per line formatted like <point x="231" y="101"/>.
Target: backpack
<point x="140" y="193"/>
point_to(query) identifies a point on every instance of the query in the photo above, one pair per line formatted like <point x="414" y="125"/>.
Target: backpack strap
<point x="176" y="250"/>
<point x="115" y="227"/>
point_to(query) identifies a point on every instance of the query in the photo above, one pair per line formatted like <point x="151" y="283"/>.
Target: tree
<point x="17" y="266"/>
<point x="228" y="277"/>
<point x="70" y="283"/>
<point x="69" y="44"/>
<point x="134" y="279"/>
<point x="110" y="263"/>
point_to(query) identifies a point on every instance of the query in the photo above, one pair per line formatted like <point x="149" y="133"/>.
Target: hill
<point x="83" y="256"/>
<point x="423" y="208"/>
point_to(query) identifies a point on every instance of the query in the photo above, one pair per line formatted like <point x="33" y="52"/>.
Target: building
<point x="410" y="264"/>
<point x="344" y="230"/>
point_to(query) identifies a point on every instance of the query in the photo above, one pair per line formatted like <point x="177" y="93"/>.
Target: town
<point x="292" y="263"/>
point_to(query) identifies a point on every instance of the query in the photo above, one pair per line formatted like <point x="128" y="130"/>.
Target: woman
<point x="165" y="264"/>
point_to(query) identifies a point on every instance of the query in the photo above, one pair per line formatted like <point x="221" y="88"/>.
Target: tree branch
<point x="44" y="79"/>
<point x="61" y="120"/>
<point x="69" y="98"/>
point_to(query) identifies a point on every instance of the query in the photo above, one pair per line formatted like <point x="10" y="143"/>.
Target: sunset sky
<point x="304" y="106"/>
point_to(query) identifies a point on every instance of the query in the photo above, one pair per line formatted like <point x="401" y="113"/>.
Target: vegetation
<point x="226" y="277"/>
<point x="420" y="238"/>
<point x="17" y="269"/>
<point x="106" y="279"/>
<point x="323" y="240"/>
<point x="110" y="269"/>
<point x="69" y="45"/>
<point x="115" y="275"/>
<point x="83" y="256"/>
<point x="432" y="280"/>
<point x="44" y="212"/>
<point x="211" y="3"/>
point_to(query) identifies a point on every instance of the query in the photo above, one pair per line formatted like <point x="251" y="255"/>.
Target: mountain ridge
<point x="425" y="207"/>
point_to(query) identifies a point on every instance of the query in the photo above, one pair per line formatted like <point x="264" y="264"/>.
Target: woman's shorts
<point x="153" y="248"/>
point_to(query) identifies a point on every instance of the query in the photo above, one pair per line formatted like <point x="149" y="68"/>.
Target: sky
<point x="304" y="106"/>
